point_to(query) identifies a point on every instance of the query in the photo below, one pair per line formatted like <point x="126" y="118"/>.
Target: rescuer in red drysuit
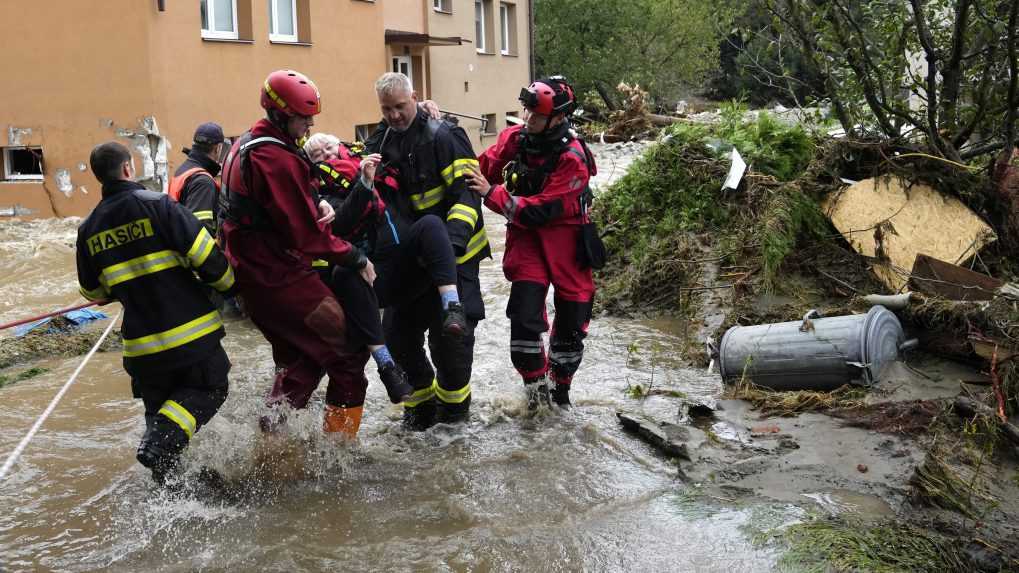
<point x="541" y="172"/>
<point x="275" y="225"/>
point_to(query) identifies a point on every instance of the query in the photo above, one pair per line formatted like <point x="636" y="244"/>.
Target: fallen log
<point x="967" y="407"/>
<point x="663" y="120"/>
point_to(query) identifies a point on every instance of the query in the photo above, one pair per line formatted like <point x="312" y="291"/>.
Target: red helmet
<point x="549" y="96"/>
<point x="291" y="93"/>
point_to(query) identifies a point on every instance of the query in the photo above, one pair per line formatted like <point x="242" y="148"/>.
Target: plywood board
<point x="892" y="221"/>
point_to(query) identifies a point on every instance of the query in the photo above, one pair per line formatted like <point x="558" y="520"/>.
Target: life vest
<point x="177" y="183"/>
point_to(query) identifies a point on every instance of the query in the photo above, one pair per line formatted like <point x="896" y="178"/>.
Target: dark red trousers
<point x="306" y="327"/>
<point x="534" y="260"/>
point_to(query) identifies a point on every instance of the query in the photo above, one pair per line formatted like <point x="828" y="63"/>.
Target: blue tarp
<point x="75" y="317"/>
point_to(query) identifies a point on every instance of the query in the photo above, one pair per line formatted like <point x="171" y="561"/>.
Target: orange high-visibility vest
<point x="178" y="182"/>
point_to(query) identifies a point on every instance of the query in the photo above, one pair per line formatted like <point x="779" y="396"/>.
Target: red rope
<point x="49" y="314"/>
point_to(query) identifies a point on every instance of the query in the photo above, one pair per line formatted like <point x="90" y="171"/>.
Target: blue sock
<point x="449" y="297"/>
<point x="382" y="356"/>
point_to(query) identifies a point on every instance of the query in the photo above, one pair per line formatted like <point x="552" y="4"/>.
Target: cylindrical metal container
<point x="813" y="354"/>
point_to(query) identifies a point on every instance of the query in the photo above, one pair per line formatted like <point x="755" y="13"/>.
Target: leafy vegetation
<point x="668" y="213"/>
<point x="660" y="44"/>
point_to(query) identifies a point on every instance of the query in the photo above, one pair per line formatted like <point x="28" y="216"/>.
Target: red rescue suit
<point x="541" y="249"/>
<point x="271" y="236"/>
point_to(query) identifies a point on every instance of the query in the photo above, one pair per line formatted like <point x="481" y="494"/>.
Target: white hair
<point x="391" y="83"/>
<point x="319" y="141"/>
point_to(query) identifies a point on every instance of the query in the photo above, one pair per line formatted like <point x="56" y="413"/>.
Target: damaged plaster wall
<point x="17" y="136"/>
<point x="153" y="149"/>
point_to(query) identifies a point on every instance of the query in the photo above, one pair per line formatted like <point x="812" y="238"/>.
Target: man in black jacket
<point x="144" y="250"/>
<point x="430" y="157"/>
<point x="194" y="183"/>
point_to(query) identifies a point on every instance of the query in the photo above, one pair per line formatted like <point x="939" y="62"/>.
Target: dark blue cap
<point x="209" y="134"/>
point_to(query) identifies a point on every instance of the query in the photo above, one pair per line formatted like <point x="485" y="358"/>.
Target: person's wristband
<point x="487" y="193"/>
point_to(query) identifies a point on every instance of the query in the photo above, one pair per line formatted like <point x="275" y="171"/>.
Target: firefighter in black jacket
<point x="194" y="183"/>
<point x="144" y="250"/>
<point x="431" y="158"/>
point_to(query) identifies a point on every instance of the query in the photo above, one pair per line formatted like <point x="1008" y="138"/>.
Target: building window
<point x="508" y="28"/>
<point x="504" y="34"/>
<point x="479" y="25"/>
<point x="219" y="19"/>
<point x="22" y="163"/>
<point x="403" y="65"/>
<point x="513" y="118"/>
<point x="488" y="126"/>
<point x="364" y="131"/>
<point x="283" y="20"/>
<point x="443" y="6"/>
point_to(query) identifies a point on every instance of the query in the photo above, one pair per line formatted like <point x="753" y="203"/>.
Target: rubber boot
<point x="395" y="381"/>
<point x="160" y="448"/>
<point x="344" y="421"/>
<point x="561" y="396"/>
<point x="453" y="413"/>
<point x="421" y="417"/>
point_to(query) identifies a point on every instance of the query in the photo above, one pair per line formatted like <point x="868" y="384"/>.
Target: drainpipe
<point x="530" y="38"/>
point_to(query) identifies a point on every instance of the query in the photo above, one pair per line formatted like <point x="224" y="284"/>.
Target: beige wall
<point x="406" y="15"/>
<point x="493" y="80"/>
<point x="84" y="79"/>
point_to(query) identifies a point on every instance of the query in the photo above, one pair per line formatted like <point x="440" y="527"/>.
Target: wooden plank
<point x="938" y="278"/>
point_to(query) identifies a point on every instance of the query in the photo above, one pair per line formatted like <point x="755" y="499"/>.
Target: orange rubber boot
<point x="345" y="421"/>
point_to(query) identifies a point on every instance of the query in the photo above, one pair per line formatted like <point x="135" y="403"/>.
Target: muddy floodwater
<point x="505" y="492"/>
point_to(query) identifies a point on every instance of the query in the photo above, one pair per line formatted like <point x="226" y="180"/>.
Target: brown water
<point x="506" y="492"/>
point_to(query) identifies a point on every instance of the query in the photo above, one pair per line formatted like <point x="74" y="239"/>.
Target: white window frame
<point x="211" y="16"/>
<point x="8" y="176"/>
<point x="504" y="12"/>
<point x="274" y="36"/>
<point x="480" y="40"/>
<point x="398" y="60"/>
<point x="442" y="6"/>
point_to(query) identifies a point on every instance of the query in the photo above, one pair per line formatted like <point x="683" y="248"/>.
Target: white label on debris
<point x="736" y="171"/>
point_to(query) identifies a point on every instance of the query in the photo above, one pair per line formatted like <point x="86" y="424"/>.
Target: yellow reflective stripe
<point x="169" y="339"/>
<point x="457" y="169"/>
<point x="329" y="170"/>
<point x="139" y="266"/>
<point x="421" y="395"/>
<point x="274" y="96"/>
<point x="180" y="416"/>
<point x="201" y="248"/>
<point x="226" y="281"/>
<point x="463" y="212"/>
<point x="203" y="215"/>
<point x="319" y="263"/>
<point x="97" y="294"/>
<point x="430" y="198"/>
<point x="453" y="396"/>
<point x="478" y="241"/>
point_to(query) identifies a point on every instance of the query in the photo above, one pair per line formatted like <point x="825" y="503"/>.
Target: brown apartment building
<point x="146" y="72"/>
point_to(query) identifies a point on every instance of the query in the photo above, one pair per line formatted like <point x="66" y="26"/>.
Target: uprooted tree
<point x="659" y="44"/>
<point x="940" y="75"/>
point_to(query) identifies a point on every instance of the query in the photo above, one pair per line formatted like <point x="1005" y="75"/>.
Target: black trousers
<point x="357" y="297"/>
<point x="421" y="261"/>
<point x="178" y="403"/>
